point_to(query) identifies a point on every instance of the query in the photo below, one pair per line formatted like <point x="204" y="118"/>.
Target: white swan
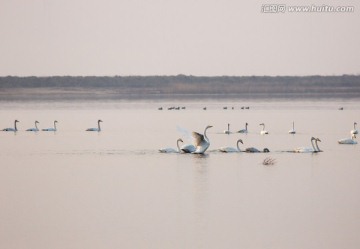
<point x="232" y="149"/>
<point x="202" y="142"/>
<point x="348" y="140"/>
<point x="228" y="130"/>
<point x="188" y="148"/>
<point x="244" y="130"/>
<point x="254" y="150"/>
<point x="171" y="150"/>
<point x="263" y="131"/>
<point x="355" y="131"/>
<point x="309" y="149"/>
<point x="51" y="129"/>
<point x="95" y="129"/>
<point x="34" y="129"/>
<point x="292" y="131"/>
<point x="12" y="129"/>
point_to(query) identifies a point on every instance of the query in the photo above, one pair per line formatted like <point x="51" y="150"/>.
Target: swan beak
<point x="241" y="141"/>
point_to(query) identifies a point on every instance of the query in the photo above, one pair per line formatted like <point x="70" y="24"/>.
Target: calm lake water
<point x="113" y="189"/>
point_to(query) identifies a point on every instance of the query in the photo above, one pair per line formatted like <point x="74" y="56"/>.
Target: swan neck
<point x="177" y="144"/>
<point x="36" y="126"/>
<point x="312" y="143"/>
<point x="99" y="125"/>
<point x="237" y="145"/>
<point x="54" y="125"/>
<point x="15" y="126"/>
<point x="206" y="138"/>
<point x="317" y="146"/>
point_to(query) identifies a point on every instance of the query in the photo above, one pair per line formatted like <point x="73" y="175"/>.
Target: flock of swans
<point x="36" y="128"/>
<point x="202" y="143"/>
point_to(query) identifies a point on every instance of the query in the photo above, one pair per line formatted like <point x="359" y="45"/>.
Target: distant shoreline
<point x="179" y="87"/>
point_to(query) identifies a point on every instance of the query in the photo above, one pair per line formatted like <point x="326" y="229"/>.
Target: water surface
<point x="78" y="189"/>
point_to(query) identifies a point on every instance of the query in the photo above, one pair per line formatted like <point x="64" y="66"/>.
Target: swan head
<point x="262" y="124"/>
<point x="209" y="126"/>
<point x="246" y="124"/>
<point x="55" y="121"/>
<point x="36" y="122"/>
<point x="179" y="140"/>
<point x="318" y="139"/>
<point x="240" y="140"/>
<point x="266" y="150"/>
<point x="16" y="121"/>
<point x="312" y="138"/>
<point x="99" y="120"/>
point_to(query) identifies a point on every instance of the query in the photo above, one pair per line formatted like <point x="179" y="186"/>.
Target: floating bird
<point x="312" y="149"/>
<point x="254" y="150"/>
<point x="263" y="131"/>
<point x="204" y="108"/>
<point x="12" y="129"/>
<point x="171" y="150"/>
<point x="232" y="149"/>
<point x="348" y="140"/>
<point x="292" y="131"/>
<point x="228" y="130"/>
<point x="34" y="129"/>
<point x="354" y="131"/>
<point x="202" y="142"/>
<point x="188" y="148"/>
<point x="51" y="129"/>
<point x="244" y="130"/>
<point x="95" y="129"/>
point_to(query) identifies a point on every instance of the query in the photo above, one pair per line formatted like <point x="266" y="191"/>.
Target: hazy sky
<point x="170" y="37"/>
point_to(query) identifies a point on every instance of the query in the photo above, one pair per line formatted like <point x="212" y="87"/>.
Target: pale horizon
<point x="202" y="38"/>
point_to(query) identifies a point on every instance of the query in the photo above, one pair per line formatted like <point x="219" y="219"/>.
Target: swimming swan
<point x="263" y="131"/>
<point x="34" y="129"/>
<point x="348" y="140"/>
<point x="254" y="150"/>
<point x="228" y="130"/>
<point x="171" y="150"/>
<point x="232" y="149"/>
<point x="355" y="131"/>
<point x="292" y="131"/>
<point x="202" y="142"/>
<point x="12" y="129"/>
<point x="51" y="129"/>
<point x="188" y="148"/>
<point x="95" y="129"/>
<point x="244" y="130"/>
<point x="308" y="149"/>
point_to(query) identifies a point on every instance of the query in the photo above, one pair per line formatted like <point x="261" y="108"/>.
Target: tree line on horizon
<point x="183" y="84"/>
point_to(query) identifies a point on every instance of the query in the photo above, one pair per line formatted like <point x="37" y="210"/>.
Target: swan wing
<point x="304" y="150"/>
<point x="199" y="138"/>
<point x="168" y="150"/>
<point x="252" y="150"/>
<point x="228" y="149"/>
<point x="188" y="148"/>
<point x="347" y="141"/>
